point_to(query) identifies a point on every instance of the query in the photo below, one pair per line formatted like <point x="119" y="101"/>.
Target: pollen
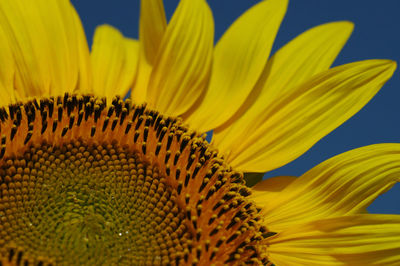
<point x="86" y="182"/>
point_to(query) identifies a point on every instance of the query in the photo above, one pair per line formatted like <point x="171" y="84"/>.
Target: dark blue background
<point x="376" y="35"/>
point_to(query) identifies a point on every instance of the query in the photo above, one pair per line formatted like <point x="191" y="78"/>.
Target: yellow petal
<point x="151" y="31"/>
<point x="240" y="57"/>
<point x="268" y="189"/>
<point x="343" y="185"/>
<point x="363" y="239"/>
<point x="47" y="45"/>
<point x="307" y="113"/>
<point x="308" y="54"/>
<point x="182" y="67"/>
<point x="84" y="84"/>
<point x="141" y="81"/>
<point x="114" y="61"/>
<point x="7" y="94"/>
<point x="152" y="27"/>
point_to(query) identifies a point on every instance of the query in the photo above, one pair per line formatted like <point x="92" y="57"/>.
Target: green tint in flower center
<point x="85" y="204"/>
<point x="84" y="182"/>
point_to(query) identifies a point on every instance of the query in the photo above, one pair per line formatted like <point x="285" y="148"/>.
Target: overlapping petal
<point x="301" y="117"/>
<point x="343" y="185"/>
<point x="114" y="62"/>
<point x="183" y="63"/>
<point x="48" y="47"/>
<point x="349" y="240"/>
<point x="265" y="113"/>
<point x="152" y="27"/>
<point x="7" y="93"/>
<point x="265" y="191"/>
<point x="308" y="54"/>
<point x="273" y="184"/>
<point x="239" y="58"/>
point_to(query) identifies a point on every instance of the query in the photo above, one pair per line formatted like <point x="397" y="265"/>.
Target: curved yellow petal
<point x="363" y="239"/>
<point x="343" y="185"/>
<point x="307" y="113"/>
<point x="153" y="24"/>
<point x="48" y="47"/>
<point x="84" y="84"/>
<point x="308" y="54"/>
<point x="7" y="94"/>
<point x="239" y="59"/>
<point x="183" y="64"/>
<point x="268" y="189"/>
<point x="114" y="61"/>
<point x="152" y="28"/>
<point x="273" y="184"/>
<point x="141" y="81"/>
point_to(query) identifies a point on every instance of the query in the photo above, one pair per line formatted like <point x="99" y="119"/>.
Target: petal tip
<point x="388" y="65"/>
<point x="344" y="26"/>
<point x="349" y="25"/>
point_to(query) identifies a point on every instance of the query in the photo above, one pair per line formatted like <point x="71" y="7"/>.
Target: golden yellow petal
<point x="7" y="94"/>
<point x="151" y="31"/>
<point x="265" y="191"/>
<point x="297" y="120"/>
<point x="310" y="53"/>
<point x="363" y="239"/>
<point x="152" y="28"/>
<point x="47" y="45"/>
<point x="343" y="185"/>
<point x="114" y="61"/>
<point x="239" y="59"/>
<point x="141" y="81"/>
<point x="183" y="64"/>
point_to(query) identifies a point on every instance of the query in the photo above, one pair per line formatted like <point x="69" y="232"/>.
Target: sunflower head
<point x="88" y="177"/>
<point x="86" y="182"/>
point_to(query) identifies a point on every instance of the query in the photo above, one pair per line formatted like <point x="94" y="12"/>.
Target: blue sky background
<point x="376" y="35"/>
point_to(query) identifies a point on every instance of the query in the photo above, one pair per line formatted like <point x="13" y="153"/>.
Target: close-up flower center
<point x="83" y="182"/>
<point x="91" y="204"/>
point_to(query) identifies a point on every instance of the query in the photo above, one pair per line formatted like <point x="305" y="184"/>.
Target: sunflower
<point x="89" y="178"/>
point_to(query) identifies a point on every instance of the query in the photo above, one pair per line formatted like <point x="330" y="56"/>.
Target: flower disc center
<point x="87" y="204"/>
<point x="86" y="182"/>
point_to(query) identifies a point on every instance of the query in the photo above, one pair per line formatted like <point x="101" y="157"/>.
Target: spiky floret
<point x="118" y="183"/>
